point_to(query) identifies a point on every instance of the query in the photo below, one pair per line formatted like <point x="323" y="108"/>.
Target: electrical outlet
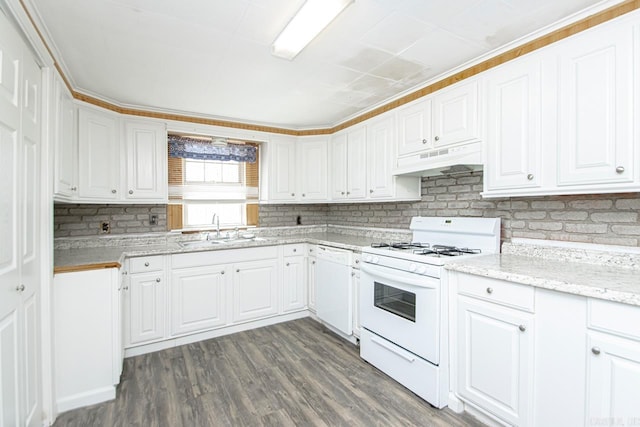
<point x="105" y="227"/>
<point x="153" y="219"/>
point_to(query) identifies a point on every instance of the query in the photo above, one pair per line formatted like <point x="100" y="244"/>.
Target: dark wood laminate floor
<point x="293" y="373"/>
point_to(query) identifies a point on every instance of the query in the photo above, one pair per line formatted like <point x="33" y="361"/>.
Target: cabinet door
<point x="357" y="164"/>
<point x="282" y="169"/>
<point x="146" y="160"/>
<point x="313" y="174"/>
<point x="66" y="145"/>
<point x="613" y="379"/>
<point x="596" y="115"/>
<point x="146" y="308"/>
<point x="99" y="157"/>
<point x="198" y="298"/>
<point x="380" y="159"/>
<point x="495" y="346"/>
<point x="455" y="115"/>
<point x="513" y="126"/>
<point x="414" y="128"/>
<point x="294" y="284"/>
<point x="339" y="166"/>
<point x="311" y="283"/>
<point x="255" y="289"/>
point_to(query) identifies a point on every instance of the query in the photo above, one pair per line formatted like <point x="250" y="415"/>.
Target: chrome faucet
<point x="215" y="220"/>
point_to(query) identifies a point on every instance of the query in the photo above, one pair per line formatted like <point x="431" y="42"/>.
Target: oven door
<point x="402" y="307"/>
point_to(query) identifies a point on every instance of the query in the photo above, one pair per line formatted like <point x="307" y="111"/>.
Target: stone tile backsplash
<point x="603" y="218"/>
<point x="86" y="220"/>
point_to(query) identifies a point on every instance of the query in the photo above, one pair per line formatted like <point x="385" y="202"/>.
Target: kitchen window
<point x="207" y="178"/>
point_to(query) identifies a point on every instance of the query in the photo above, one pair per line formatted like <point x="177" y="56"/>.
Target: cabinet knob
<point x="126" y="288"/>
<point x="310" y="250"/>
<point x="237" y="270"/>
<point x="348" y="192"/>
<point x="222" y="272"/>
<point x="522" y="328"/>
<point x="130" y="191"/>
<point x="20" y="288"/>
<point x="357" y="261"/>
<point x="303" y="195"/>
<point x="158" y="280"/>
<point x="342" y="193"/>
<point x="73" y="188"/>
<point x="424" y="141"/>
<point x="287" y="264"/>
<point x="114" y="191"/>
<point x="595" y="350"/>
<point x="353" y="273"/>
<point x="437" y="138"/>
<point x="489" y="290"/>
<point x="146" y="264"/>
<point x="530" y="176"/>
<point x="370" y="191"/>
<point x="620" y="169"/>
<point x="293" y="194"/>
<point x="313" y="262"/>
<point x="295" y="250"/>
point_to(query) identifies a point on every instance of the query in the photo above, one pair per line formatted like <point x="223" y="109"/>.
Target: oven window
<point x="395" y="301"/>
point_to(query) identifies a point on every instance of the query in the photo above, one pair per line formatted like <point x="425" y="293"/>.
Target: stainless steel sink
<point x="201" y="243"/>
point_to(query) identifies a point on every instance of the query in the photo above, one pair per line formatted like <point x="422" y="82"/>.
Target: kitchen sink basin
<point x="201" y="243"/>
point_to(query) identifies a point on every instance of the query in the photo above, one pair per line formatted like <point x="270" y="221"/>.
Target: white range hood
<point x="443" y="161"/>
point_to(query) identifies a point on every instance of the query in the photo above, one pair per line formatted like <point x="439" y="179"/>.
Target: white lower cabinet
<point x="88" y="356"/>
<point x="145" y="304"/>
<point x="254" y="290"/>
<point x="198" y="298"/>
<point x="294" y="284"/>
<point x="495" y="349"/>
<point x="311" y="278"/>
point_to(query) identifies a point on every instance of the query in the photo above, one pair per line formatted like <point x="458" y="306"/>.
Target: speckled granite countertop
<point x="611" y="281"/>
<point x="81" y="255"/>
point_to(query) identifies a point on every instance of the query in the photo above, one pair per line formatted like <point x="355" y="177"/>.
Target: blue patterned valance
<point x="190" y="148"/>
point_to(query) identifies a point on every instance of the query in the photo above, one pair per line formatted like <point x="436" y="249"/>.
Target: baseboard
<point x="85" y="399"/>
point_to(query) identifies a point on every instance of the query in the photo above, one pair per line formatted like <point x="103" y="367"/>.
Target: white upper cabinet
<point x="380" y="158"/>
<point x="455" y="115"/>
<point x="513" y="125"/>
<point x="99" y="155"/>
<point x="349" y="164"/>
<point x="414" y="128"/>
<point x="146" y="160"/>
<point x="596" y="114"/>
<point x="449" y="116"/>
<point x="281" y="181"/>
<point x="66" y="143"/>
<point x="312" y="176"/>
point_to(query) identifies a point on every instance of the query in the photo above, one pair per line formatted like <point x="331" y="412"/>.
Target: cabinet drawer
<point x="291" y="250"/>
<point x="497" y="291"/>
<point x="145" y="264"/>
<point x="614" y="317"/>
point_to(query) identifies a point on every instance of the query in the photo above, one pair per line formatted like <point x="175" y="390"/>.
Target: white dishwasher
<point x="334" y="296"/>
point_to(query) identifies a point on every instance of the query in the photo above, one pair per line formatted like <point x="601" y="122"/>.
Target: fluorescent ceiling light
<point x="310" y="20"/>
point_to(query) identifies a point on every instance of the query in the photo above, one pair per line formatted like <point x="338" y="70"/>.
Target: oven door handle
<point x="404" y="354"/>
<point x="423" y="282"/>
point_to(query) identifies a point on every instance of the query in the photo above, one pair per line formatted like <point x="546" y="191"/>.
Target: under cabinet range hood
<point x="442" y="161"/>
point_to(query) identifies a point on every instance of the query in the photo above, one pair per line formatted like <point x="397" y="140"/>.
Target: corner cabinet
<point x="98" y="155"/>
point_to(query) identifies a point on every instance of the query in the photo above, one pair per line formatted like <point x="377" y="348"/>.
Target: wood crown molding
<point x="557" y="35"/>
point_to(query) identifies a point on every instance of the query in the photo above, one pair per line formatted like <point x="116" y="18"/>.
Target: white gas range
<point x="403" y="300"/>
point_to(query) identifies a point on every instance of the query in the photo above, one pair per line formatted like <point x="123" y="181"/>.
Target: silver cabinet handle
<point x="222" y="272"/>
<point x="303" y="195"/>
<point x="130" y="191"/>
<point x="146" y="264"/>
<point x="158" y="280"/>
<point x="313" y="262"/>
<point x="342" y="193"/>
<point x="489" y="290"/>
<point x="348" y="192"/>
<point x="20" y="288"/>
<point x="126" y="288"/>
<point x="357" y="261"/>
<point x="424" y="141"/>
<point x="595" y="350"/>
<point x="437" y="138"/>
<point x="370" y="191"/>
<point x="295" y="250"/>
<point x="620" y="169"/>
<point x="73" y="188"/>
<point x="310" y="250"/>
<point x="238" y="270"/>
<point x="353" y="273"/>
<point x="293" y="194"/>
<point x="288" y="264"/>
<point x="114" y="191"/>
<point x="530" y="176"/>
<point x="522" y="328"/>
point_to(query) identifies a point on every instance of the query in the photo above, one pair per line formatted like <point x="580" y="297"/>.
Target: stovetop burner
<point x="401" y="245"/>
<point x="443" y="250"/>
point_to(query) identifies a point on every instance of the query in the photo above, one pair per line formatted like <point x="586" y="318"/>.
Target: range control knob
<point x="422" y="269"/>
<point x="412" y="267"/>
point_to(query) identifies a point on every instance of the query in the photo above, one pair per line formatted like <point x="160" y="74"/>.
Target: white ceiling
<point x="212" y="57"/>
